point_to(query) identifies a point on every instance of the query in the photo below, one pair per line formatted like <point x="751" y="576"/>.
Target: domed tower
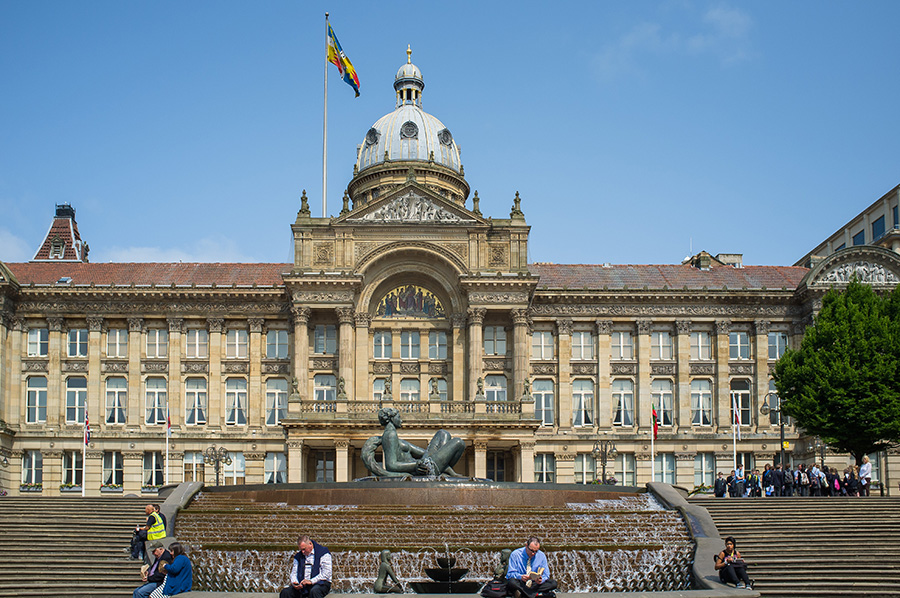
<point x="408" y="139"/>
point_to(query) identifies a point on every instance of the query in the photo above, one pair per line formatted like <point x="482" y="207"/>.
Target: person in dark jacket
<point x="179" y="574"/>
<point x="721" y="486"/>
<point x="310" y="571"/>
<point x="151" y="575"/>
<point x="778" y="481"/>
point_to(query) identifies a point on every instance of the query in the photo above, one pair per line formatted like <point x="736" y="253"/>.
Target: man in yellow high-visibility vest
<point x="154" y="529"/>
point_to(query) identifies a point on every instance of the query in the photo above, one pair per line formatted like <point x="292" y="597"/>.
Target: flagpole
<point x="84" y="442"/>
<point x="652" y="448"/>
<point x="325" y="129"/>
<point x="735" y="422"/>
<point x="168" y="431"/>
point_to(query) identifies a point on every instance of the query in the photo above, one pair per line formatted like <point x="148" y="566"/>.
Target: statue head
<point x="504" y="555"/>
<point x="389" y="415"/>
<point x="385" y="556"/>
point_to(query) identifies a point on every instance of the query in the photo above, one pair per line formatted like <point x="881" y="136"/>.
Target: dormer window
<point x="57" y="248"/>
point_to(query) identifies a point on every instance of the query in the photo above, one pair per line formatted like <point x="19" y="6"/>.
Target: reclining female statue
<point x="402" y="458"/>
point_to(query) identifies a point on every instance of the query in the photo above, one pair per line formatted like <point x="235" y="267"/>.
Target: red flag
<point x="655" y="422"/>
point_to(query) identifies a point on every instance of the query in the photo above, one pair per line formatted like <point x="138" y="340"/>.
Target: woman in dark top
<point x="731" y="566"/>
<point x="179" y="574"/>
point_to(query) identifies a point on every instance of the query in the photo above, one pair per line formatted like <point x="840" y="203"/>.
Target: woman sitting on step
<point x="179" y="574"/>
<point x="731" y="566"/>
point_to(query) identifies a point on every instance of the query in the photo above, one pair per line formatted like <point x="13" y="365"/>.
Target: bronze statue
<point x="403" y="458"/>
<point x="385" y="571"/>
<point x="503" y="565"/>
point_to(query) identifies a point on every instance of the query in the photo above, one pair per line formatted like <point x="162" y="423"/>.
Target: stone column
<point x="684" y="469"/>
<point x="363" y="321"/>
<point x="565" y="468"/>
<point x="526" y="461"/>
<point x="603" y="391"/>
<point x="14" y="410"/>
<point x="95" y="403"/>
<point x="564" y="384"/>
<point x="480" y="458"/>
<point x="296" y="461"/>
<point x="345" y="351"/>
<point x="56" y="393"/>
<point x="456" y="385"/>
<point x="300" y="364"/>
<point x="642" y="398"/>
<point x="6" y="405"/>
<point x="176" y="396"/>
<point x="254" y="466"/>
<point x="342" y="460"/>
<point x="53" y="461"/>
<point x="643" y="467"/>
<point x="132" y="469"/>
<point x="135" y="406"/>
<point x="682" y="400"/>
<point x="215" y="393"/>
<point x="476" y="347"/>
<point x="256" y="397"/>
<point x="521" y="351"/>
<point x="722" y="407"/>
<point x="92" y="471"/>
<point x="761" y="377"/>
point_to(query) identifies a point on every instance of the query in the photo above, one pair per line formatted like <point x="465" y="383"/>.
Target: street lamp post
<point x="821" y="446"/>
<point x="216" y="457"/>
<point x="765" y="410"/>
<point x="604" y="450"/>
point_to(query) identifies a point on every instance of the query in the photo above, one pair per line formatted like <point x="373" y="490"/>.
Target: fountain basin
<point x="446" y="575"/>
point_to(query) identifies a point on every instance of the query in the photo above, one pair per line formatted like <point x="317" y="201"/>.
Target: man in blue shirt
<point x="529" y="574"/>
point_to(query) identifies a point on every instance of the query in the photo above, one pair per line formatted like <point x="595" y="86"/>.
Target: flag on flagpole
<point x="87" y="426"/>
<point x="168" y="424"/>
<point x="655" y="422"/>
<point x="337" y="57"/>
<point x="736" y="416"/>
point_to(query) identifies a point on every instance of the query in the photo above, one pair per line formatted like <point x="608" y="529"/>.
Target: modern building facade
<point x="410" y="298"/>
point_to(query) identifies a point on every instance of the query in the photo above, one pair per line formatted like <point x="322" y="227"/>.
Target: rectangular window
<point x="625" y="469"/>
<point x="878" y="228"/>
<point x="73" y="468"/>
<point x="157" y="343"/>
<point x="496" y="466"/>
<point x="276" y="400"/>
<point x="582" y="403"/>
<point x="701" y="403"/>
<point x="738" y="345"/>
<point x="32" y="467"/>
<point x="36" y="400"/>
<point x="235" y="402"/>
<point x="277" y="344"/>
<point x="777" y="344"/>
<point x="195" y="401"/>
<point x="324" y="387"/>
<point x="325" y="339"/>
<point x="378" y="389"/>
<point x="382" y="345"/>
<point x="701" y="348"/>
<point x="234" y="473"/>
<point x="542" y="345"/>
<point x="116" y="399"/>
<point x="197" y="340"/>
<point x="542" y="391"/>
<point x="437" y="345"/>
<point x="113" y="468"/>
<point x="623" y="402"/>
<point x="38" y="342"/>
<point x="236" y="343"/>
<point x="622" y="346"/>
<point x="584" y="468"/>
<point x="409" y="389"/>
<point x="661" y="395"/>
<point x="409" y="344"/>
<point x="494" y="340"/>
<point x="156" y="401"/>
<point x="441" y="386"/>
<point x="76" y="397"/>
<point x="544" y="467"/>
<point x="78" y="342"/>
<point x="660" y="346"/>
<point x="859" y="238"/>
<point x="839" y="247"/>
<point x="193" y="467"/>
<point x="276" y="468"/>
<point x="740" y="401"/>
<point x="704" y="469"/>
<point x="896" y="217"/>
<point x="117" y="343"/>
<point x="495" y="388"/>
<point x="665" y="468"/>
<point x="324" y="466"/>
<point x="582" y="345"/>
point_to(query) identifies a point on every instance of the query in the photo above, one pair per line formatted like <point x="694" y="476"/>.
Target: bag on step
<point x="495" y="588"/>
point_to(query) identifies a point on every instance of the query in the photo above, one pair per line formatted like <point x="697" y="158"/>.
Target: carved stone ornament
<point x="623" y="368"/>
<point x="114" y="367"/>
<point x="276" y="368"/>
<point x="256" y="324"/>
<point x="866" y="272"/>
<point x="323" y="296"/>
<point x="494" y="363"/>
<point x="34" y="365"/>
<point x="215" y="324"/>
<point x="75" y="366"/>
<point x="458" y="321"/>
<point x="703" y="369"/>
<point x="55" y="324"/>
<point x="741" y="368"/>
<point x="176" y="324"/>
<point x="685" y="456"/>
<point x="194" y="367"/>
<point x="135" y="324"/>
<point x="324" y="364"/>
<point x="643" y="326"/>
<point x="154" y="367"/>
<point x="682" y="327"/>
<point x="543" y="369"/>
<point x="445" y="137"/>
<point x="497" y="256"/>
<point x="95" y="323"/>
<point x="411" y="207"/>
<point x="322" y="253"/>
<point x="300" y="314"/>
<point x="564" y="326"/>
<point x="235" y="367"/>
<point x="505" y="297"/>
<point x="381" y="367"/>
<point x="688" y="310"/>
<point x="584" y="369"/>
<point x="761" y="326"/>
<point x="662" y="369"/>
<point x="604" y="327"/>
<point x="372" y="136"/>
<point x="437" y="369"/>
<point x="409" y="367"/>
<point x="476" y="316"/>
<point x="723" y="326"/>
<point x="363" y="320"/>
<point x="409" y="130"/>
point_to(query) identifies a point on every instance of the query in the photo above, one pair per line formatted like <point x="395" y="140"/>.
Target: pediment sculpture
<point x="411" y="208"/>
<point x="866" y="272"/>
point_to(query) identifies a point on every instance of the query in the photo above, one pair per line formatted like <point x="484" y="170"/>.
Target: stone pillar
<point x="526" y="461"/>
<point x="342" y="460"/>
<point x="565" y="468"/>
<point x="603" y="391"/>
<point x="135" y="406"/>
<point x="761" y="377"/>
<point x="521" y="352"/>
<point x="56" y="393"/>
<point x="564" y="384"/>
<point x="175" y="395"/>
<point x="480" y="458"/>
<point x="254" y="466"/>
<point x="681" y="402"/>
<point x="7" y="406"/>
<point x="643" y="467"/>
<point x="13" y="407"/>
<point x="256" y="396"/>
<point x="476" y="347"/>
<point x="95" y="402"/>
<point x="216" y="410"/>
<point x="684" y="469"/>
<point x="53" y="461"/>
<point x="363" y="320"/>
<point x="92" y="472"/>
<point x="722" y="404"/>
<point x="642" y="398"/>
<point x="296" y="462"/>
<point x="456" y="386"/>
<point x="132" y="469"/>
<point x="346" y="347"/>
<point x="300" y="365"/>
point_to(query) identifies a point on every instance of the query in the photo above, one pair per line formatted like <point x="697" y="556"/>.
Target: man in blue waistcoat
<point x="310" y="571"/>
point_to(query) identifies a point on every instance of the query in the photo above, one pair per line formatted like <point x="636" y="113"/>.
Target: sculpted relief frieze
<point x="323" y="296"/>
<point x="152" y="306"/>
<point x="411" y="208"/>
<point x="634" y="310"/>
<point x="506" y="297"/>
<point x="866" y="272"/>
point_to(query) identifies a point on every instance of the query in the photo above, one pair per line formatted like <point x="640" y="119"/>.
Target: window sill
<point x="110" y="490"/>
<point x="30" y="489"/>
<point x="72" y="489"/>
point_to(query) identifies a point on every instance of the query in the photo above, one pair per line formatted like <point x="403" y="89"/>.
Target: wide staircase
<point x="61" y="546"/>
<point x="815" y="546"/>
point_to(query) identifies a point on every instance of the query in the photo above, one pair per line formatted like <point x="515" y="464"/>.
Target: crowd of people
<point x="802" y="481"/>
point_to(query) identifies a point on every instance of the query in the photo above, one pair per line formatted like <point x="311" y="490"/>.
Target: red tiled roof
<point x="150" y="273"/>
<point x="66" y="229"/>
<point x="674" y="277"/>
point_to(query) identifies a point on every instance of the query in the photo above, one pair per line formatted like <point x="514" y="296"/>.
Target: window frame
<point x="382" y="344"/>
<point x="237" y="343"/>
<point x="409" y="344"/>
<point x="493" y="340"/>
<point x="32" y="467"/>
<point x="621" y="345"/>
<point x="35" y="400"/>
<point x="661" y="346"/>
<point x="117" y="343"/>
<point x="73" y="468"/>
<point x="623" y="403"/>
<point x="116" y="393"/>
<point x="236" y="406"/>
<point x="778" y="344"/>
<point x="544" y="401"/>
<point x="77" y="342"/>
<point x="739" y="346"/>
<point x="196" y="401"/>
<point x="196" y="343"/>
<point x="664" y="399"/>
<point x="701" y="351"/>
<point x="76" y="399"/>
<point x="275" y="468"/>
<point x="325" y="339"/>
<point x="437" y="345"/>
<point x="585" y="468"/>
<point x="742" y="399"/>
<point x="701" y="402"/>
<point x="583" y="403"/>
<point x="156" y="401"/>
<point x="582" y="345"/>
<point x="113" y="468"/>
<point x="544" y="468"/>
<point x="278" y="344"/>
<point x="495" y="392"/>
<point x="542" y="345"/>
<point x="276" y="400"/>
<point x="156" y="343"/>
<point x="38" y="342"/>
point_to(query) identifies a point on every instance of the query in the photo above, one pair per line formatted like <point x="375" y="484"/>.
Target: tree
<point x="843" y="384"/>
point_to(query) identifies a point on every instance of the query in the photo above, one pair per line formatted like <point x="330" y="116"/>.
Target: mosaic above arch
<point x="410" y="301"/>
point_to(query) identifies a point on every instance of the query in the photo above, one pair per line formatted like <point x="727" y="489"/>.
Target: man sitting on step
<point x="150" y="574"/>
<point x="529" y="575"/>
<point x="310" y="571"/>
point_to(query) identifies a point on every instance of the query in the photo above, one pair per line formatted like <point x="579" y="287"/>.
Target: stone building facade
<point x="410" y="298"/>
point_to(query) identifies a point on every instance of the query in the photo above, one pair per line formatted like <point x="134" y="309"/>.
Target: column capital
<point x="481" y="445"/>
<point x="603" y="326"/>
<point x="95" y="323"/>
<point x="476" y="315"/>
<point x="216" y="324"/>
<point x="363" y="319"/>
<point x="761" y="326"/>
<point x="135" y="324"/>
<point x="564" y="326"/>
<point x="342" y="443"/>
<point x="17" y="323"/>
<point x="300" y="315"/>
<point x="56" y="324"/>
<point x="256" y="324"/>
<point x="682" y="327"/>
<point x="527" y="445"/>
<point x="643" y="326"/>
<point x="458" y="320"/>
<point x="519" y="316"/>
<point x="723" y="326"/>
<point x="176" y="324"/>
<point x="345" y="315"/>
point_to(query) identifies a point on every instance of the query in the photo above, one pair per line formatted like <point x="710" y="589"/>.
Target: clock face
<point x="372" y="136"/>
<point x="445" y="137"/>
<point x="409" y="130"/>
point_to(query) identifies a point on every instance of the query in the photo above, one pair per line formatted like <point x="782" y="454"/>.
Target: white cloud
<point x="209" y="249"/>
<point x="13" y="248"/>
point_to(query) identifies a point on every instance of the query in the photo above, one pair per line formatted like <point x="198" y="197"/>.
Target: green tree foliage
<point x="843" y="384"/>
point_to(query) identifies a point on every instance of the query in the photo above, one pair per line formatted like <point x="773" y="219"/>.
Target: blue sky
<point x="634" y="131"/>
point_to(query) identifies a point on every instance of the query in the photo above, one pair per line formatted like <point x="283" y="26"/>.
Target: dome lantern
<point x="409" y="83"/>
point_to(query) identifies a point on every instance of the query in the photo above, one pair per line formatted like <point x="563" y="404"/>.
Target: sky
<point x="635" y="132"/>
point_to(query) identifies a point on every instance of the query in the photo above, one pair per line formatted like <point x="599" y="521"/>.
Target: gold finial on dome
<point x="408" y="54"/>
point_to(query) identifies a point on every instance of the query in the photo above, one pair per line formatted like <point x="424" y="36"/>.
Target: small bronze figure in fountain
<point x="503" y="565"/>
<point x="386" y="571"/>
<point x="402" y="458"/>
